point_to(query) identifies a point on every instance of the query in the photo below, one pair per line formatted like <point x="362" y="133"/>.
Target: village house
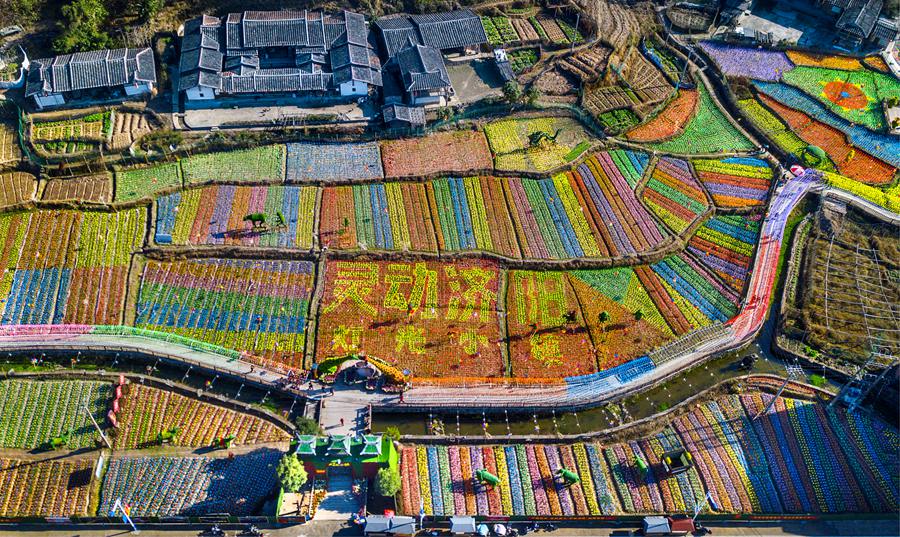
<point x="856" y="19"/>
<point x="278" y="53"/>
<point x="413" y="47"/>
<point x="94" y="76"/>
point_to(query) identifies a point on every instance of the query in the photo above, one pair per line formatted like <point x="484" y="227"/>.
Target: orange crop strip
<point x="669" y="121"/>
<point x="850" y="161"/>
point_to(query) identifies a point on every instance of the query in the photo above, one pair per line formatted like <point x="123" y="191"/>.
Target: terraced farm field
<point x="785" y="462"/>
<point x="257" y="307"/>
<point x="436" y="319"/>
<point x="215" y="215"/>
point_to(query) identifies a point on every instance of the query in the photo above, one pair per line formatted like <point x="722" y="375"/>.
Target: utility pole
<point x="794" y="372"/>
<point x="103" y="436"/>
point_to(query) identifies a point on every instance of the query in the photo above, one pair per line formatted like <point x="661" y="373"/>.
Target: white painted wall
<point x="53" y="99"/>
<point x="200" y="93"/>
<point x="354" y="87"/>
<point x="139" y="89"/>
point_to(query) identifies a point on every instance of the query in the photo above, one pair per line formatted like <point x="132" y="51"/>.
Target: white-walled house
<point x="95" y="75"/>
<point x="278" y="52"/>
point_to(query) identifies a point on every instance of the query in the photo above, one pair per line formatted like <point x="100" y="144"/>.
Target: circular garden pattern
<point x="846" y="95"/>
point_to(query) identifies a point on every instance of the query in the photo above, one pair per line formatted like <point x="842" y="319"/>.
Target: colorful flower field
<point x="736" y="181"/>
<point x="725" y="245"/>
<point x="889" y="199"/>
<point x="441" y="479"/>
<point x="748" y="62"/>
<point x="799" y="458"/>
<point x="849" y="161"/>
<point x="828" y="61"/>
<point x="708" y="131"/>
<point x="436" y="319"/>
<point x="556" y="329"/>
<point x="471" y="214"/>
<point x="513" y="150"/>
<point x="215" y="215"/>
<point x="16" y="188"/>
<point x="777" y="131"/>
<point x="669" y="121"/>
<point x="255" y="306"/>
<point x="190" y="486"/>
<point x="144" y="183"/>
<point x="45" y="488"/>
<point x="699" y="295"/>
<point x="264" y="164"/>
<point x="90" y="188"/>
<point x="854" y="95"/>
<point x="378" y="216"/>
<point x="32" y="412"/>
<point x="145" y="411"/>
<point x="310" y="162"/>
<point x="674" y="195"/>
<point x="884" y="147"/>
<point x="67" y="266"/>
<point x="605" y="182"/>
<point x="450" y="152"/>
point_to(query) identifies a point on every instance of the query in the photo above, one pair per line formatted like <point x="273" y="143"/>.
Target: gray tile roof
<point x="200" y="78"/>
<point x="337" y="43"/>
<point x="275" y="81"/>
<point x="201" y="58"/>
<point x="88" y="70"/>
<point x="260" y="29"/>
<point x="451" y="29"/>
<point x="414" y="115"/>
<point x="860" y="16"/>
<point x="422" y="68"/>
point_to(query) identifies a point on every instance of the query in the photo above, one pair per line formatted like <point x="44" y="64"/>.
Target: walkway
<point x="339" y="502"/>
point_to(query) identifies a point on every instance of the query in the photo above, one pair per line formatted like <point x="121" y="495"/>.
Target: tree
<point x="147" y="9"/>
<point x="393" y="433"/>
<point x="603" y="317"/>
<point x="512" y="93"/>
<point x="307" y="425"/>
<point x="83" y="27"/>
<point x="290" y="472"/>
<point x="532" y="95"/>
<point x="387" y="482"/>
<point x="638" y="315"/>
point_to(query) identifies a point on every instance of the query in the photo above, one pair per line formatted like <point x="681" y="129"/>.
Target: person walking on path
<point x="342" y="422"/>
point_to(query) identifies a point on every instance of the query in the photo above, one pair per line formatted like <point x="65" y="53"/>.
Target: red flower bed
<point x="850" y="161"/>
<point x="669" y="121"/>
<point x="444" y="152"/>
<point x="435" y="319"/>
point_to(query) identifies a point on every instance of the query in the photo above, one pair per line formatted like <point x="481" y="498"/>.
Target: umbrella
<point x="482" y="530"/>
<point x="499" y="529"/>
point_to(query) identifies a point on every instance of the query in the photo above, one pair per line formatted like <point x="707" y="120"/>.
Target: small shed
<point x="390" y="525"/>
<point x="460" y="525"/>
<point x="656" y="525"/>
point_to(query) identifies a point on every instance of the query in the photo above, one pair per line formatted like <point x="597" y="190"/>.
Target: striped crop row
<point x="215" y="215"/>
<point x="674" y="195"/>
<point x="725" y="245"/>
<point x="254" y="306"/>
<point x="735" y="182"/>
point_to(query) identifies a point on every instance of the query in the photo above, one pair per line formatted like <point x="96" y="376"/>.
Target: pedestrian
<point x="342" y="422"/>
<point x="331" y="392"/>
<point x="401" y="397"/>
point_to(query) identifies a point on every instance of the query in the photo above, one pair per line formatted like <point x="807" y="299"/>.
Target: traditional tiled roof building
<point x="265" y="52"/>
<point x="90" y="75"/>
<point x="448" y="31"/>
